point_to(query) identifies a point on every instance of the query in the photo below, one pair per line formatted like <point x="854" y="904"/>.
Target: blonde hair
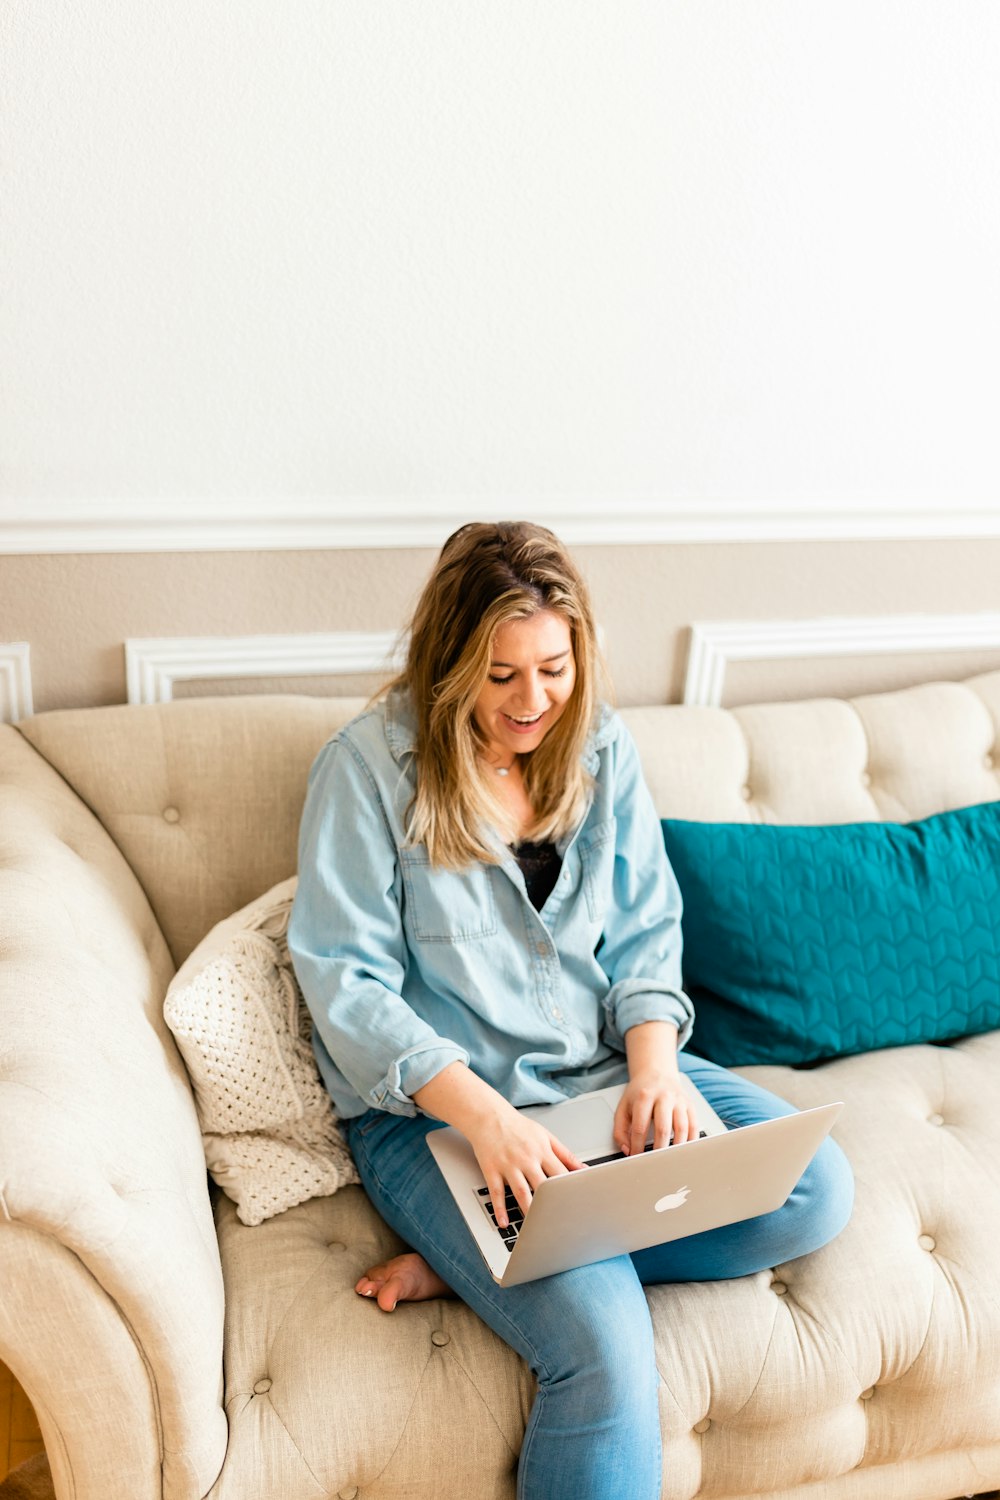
<point x="487" y="574"/>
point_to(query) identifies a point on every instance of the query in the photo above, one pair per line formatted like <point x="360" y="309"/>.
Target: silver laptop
<point x="624" y="1203"/>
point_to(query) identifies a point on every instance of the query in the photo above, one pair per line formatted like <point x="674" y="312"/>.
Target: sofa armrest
<point x="73" y="1352"/>
<point x="112" y="1279"/>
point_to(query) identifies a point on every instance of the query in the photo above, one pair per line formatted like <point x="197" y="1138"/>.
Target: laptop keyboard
<point x="515" y="1215"/>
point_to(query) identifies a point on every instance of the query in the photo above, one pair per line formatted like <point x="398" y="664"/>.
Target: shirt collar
<point x="401" y="728"/>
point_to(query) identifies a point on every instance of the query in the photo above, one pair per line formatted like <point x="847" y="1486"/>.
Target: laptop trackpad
<point x="585" y="1125"/>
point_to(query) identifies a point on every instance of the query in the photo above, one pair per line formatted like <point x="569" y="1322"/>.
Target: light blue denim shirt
<point x="406" y="968"/>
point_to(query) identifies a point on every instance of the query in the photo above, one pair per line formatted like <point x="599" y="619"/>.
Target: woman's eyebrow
<point x="558" y="656"/>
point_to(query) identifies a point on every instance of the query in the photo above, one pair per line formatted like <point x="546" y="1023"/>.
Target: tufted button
<point x="440" y="1338"/>
<point x="262" y="1385"/>
<point x="746" y="793"/>
<point x="778" y="1288"/>
<point x="868" y="1394"/>
<point x="703" y="1425"/>
<point x="335" y="1245"/>
<point x="988" y="762"/>
<point x="171" y="815"/>
<point x="351" y="1493"/>
<point x="926" y="1242"/>
<point x="866" y="778"/>
<point x="935" y="1119"/>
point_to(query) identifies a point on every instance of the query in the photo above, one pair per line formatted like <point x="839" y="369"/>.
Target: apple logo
<point x="671" y="1200"/>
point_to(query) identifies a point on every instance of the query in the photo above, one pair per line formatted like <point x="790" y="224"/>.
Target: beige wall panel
<point x="77" y="610"/>
<point x="343" y="685"/>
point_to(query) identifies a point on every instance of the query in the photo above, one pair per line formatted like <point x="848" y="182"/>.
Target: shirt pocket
<point x="597" y="852"/>
<point x="447" y="906"/>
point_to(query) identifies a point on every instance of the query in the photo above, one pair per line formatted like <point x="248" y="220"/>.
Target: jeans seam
<point x="524" y="1457"/>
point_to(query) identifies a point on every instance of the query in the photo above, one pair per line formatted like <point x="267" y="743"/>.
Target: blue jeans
<point x="594" y="1429"/>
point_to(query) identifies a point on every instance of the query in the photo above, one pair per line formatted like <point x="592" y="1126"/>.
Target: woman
<point x="486" y="919"/>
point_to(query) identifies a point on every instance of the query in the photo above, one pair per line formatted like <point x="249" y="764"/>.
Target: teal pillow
<point x="804" y="943"/>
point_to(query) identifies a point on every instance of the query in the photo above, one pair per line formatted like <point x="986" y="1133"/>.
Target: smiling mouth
<point x="523" y="723"/>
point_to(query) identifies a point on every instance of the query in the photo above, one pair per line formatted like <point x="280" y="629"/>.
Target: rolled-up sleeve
<point x="346" y="939"/>
<point x="640" y="949"/>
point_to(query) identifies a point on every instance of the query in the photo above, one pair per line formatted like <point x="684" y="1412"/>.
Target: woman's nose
<point x="533" y="700"/>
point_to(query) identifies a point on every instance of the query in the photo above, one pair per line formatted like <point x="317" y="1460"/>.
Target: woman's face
<point x="532" y="672"/>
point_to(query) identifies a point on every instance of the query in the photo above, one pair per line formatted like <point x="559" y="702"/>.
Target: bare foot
<point x="405" y="1278"/>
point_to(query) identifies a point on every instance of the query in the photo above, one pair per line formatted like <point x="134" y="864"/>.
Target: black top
<point x="540" y="866"/>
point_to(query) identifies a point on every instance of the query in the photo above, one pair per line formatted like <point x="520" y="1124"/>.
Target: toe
<point x="374" y="1277"/>
<point x="390" y="1292"/>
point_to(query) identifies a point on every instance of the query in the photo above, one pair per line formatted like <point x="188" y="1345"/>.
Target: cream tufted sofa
<point x="172" y="1352"/>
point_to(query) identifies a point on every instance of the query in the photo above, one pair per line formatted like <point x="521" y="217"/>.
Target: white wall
<point x="723" y="264"/>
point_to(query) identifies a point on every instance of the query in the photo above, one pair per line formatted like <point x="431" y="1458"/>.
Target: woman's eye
<point x="501" y="681"/>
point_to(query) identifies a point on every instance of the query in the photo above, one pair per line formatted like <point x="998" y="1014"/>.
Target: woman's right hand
<point x="512" y="1148"/>
<point x="509" y="1146"/>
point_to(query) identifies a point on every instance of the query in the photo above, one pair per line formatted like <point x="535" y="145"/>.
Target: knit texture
<point x="270" y="1133"/>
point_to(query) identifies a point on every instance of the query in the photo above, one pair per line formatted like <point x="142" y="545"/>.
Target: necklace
<point x="502" y="770"/>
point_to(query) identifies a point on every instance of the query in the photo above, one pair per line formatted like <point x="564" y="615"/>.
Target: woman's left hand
<point x="657" y="1097"/>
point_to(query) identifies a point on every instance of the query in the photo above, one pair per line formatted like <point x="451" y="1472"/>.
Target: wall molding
<point x="15" y="681"/>
<point x="285" y="523"/>
<point x="153" y="666"/>
<point x="714" y="644"/>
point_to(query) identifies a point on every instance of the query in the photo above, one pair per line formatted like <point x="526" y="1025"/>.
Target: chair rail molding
<point x="15" y="681"/>
<point x="153" y="666"/>
<point x="714" y="644"/>
<point x="183" y="524"/>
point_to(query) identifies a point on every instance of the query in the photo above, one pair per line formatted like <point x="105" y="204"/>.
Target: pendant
<point x="503" y="770"/>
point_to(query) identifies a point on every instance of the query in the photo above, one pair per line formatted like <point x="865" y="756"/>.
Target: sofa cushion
<point x="270" y="1134"/>
<point x="869" y="1368"/>
<point x="802" y="943"/>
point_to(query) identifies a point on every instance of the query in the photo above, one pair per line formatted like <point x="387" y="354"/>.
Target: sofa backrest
<point x="886" y="757"/>
<point x="203" y="796"/>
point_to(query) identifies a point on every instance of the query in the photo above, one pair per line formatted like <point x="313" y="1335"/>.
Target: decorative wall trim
<point x="153" y="666"/>
<point x="277" y="524"/>
<point x="715" y="644"/>
<point x="15" y="681"/>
